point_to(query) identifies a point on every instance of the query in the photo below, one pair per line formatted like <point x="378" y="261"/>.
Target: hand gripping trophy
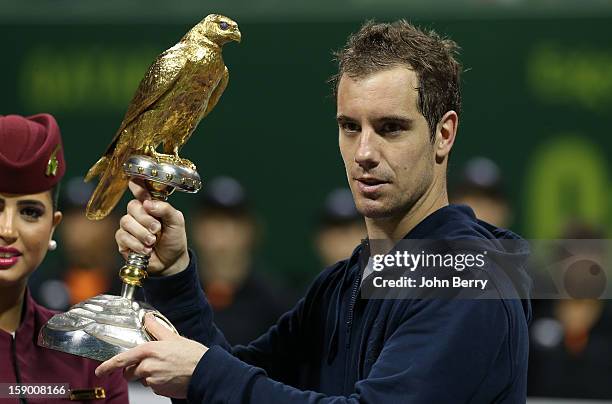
<point x="180" y="88"/>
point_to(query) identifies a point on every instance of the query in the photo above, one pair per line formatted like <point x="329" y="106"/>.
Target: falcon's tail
<point x="112" y="185"/>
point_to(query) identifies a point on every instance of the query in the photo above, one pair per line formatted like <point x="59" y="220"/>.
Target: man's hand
<point x="165" y="365"/>
<point x="156" y="228"/>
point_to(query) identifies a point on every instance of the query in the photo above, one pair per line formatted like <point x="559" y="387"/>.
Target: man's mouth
<point x="370" y="185"/>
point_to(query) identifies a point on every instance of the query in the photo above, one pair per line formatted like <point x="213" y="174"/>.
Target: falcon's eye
<point x="223" y="25"/>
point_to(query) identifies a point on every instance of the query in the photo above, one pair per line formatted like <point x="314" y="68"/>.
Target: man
<point x="397" y="110"/>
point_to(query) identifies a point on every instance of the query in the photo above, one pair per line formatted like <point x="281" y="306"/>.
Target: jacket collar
<point x="27" y="327"/>
<point x="428" y="228"/>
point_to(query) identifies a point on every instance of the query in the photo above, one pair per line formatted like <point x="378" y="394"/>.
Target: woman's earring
<point x="52" y="245"/>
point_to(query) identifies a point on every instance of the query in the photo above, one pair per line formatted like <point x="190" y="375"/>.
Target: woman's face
<point x="27" y="223"/>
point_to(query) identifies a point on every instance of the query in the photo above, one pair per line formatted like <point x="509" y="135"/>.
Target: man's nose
<point x="367" y="155"/>
<point x="7" y="227"/>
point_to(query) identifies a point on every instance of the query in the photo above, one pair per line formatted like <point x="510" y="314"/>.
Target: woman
<point x="31" y="166"/>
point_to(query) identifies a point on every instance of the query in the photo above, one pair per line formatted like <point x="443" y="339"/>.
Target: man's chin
<point x="374" y="209"/>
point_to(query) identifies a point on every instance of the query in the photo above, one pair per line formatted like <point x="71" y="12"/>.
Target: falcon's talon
<point x="186" y="163"/>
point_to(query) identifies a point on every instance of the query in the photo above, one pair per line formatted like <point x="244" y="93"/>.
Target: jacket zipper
<point x="349" y="324"/>
<point x="349" y="320"/>
<point x="354" y="292"/>
<point x="22" y="399"/>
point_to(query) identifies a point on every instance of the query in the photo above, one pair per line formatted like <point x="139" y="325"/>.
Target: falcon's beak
<point x="236" y="35"/>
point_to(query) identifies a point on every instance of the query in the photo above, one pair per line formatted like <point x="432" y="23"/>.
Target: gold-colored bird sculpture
<point x="180" y="88"/>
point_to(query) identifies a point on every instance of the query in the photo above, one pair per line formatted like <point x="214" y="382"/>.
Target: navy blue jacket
<point x="334" y="347"/>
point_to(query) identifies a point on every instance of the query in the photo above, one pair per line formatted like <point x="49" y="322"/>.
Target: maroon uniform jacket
<point x="23" y="361"/>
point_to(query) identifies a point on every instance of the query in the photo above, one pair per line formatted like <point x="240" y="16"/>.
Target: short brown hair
<point x="380" y="46"/>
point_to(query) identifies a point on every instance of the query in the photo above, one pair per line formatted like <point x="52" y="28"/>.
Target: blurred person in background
<point x="341" y="227"/>
<point x="480" y="187"/>
<point x="31" y="167"/>
<point x="226" y="233"/>
<point x="570" y="353"/>
<point x="90" y="254"/>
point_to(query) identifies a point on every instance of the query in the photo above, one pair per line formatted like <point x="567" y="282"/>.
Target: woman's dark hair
<point x="55" y="196"/>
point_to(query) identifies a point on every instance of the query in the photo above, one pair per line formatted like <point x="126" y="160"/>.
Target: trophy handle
<point x="162" y="176"/>
<point x="163" y="321"/>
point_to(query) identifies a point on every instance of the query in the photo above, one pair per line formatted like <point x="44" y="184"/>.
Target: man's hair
<point x="380" y="46"/>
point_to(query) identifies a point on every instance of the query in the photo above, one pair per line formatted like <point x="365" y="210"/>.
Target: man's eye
<point x="350" y="127"/>
<point x="31" y="213"/>
<point x="391" y="127"/>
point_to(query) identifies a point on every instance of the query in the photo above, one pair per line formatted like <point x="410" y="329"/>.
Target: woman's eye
<point x="31" y="213"/>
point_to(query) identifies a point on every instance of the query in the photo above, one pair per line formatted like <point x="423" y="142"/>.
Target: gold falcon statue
<point x="180" y="88"/>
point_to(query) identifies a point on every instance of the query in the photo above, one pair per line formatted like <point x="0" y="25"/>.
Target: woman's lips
<point x="6" y="263"/>
<point x="8" y="257"/>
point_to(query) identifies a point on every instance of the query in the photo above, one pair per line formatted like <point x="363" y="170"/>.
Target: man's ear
<point x="445" y="134"/>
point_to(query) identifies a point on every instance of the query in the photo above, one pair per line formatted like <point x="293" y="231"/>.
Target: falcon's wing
<point x="159" y="78"/>
<point x="214" y="97"/>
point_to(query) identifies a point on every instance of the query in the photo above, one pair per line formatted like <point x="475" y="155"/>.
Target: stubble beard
<point x="392" y="206"/>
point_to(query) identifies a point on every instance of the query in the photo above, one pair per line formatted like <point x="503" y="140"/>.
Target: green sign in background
<point x="537" y="100"/>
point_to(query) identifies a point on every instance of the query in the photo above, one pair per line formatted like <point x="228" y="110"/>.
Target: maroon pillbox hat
<point x="31" y="154"/>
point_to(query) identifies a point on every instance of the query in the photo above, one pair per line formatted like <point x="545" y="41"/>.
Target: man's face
<point x="384" y="142"/>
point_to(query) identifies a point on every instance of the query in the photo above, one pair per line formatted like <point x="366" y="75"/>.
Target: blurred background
<point x="534" y="149"/>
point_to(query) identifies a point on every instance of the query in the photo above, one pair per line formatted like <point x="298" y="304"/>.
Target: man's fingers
<point x="139" y="371"/>
<point x="166" y="212"/>
<point x="139" y="191"/>
<point x="124" y="359"/>
<point x="127" y="242"/>
<point x="157" y="329"/>
<point x="138" y="212"/>
<point x="133" y="227"/>
<point x="128" y="373"/>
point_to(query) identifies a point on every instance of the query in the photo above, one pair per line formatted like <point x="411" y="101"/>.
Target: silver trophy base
<point x="99" y="328"/>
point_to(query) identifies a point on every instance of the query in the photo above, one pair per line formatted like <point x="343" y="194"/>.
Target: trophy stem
<point x="133" y="272"/>
<point x="135" y="268"/>
<point x="158" y="196"/>
<point x="127" y="291"/>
